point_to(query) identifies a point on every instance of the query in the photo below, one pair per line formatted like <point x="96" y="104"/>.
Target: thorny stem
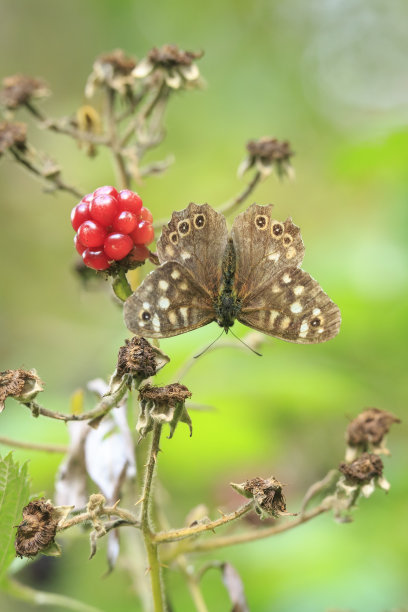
<point x="251" y="536"/>
<point x="125" y="515"/>
<point x="48" y="448"/>
<point x="151" y="546"/>
<point x="103" y="407"/>
<point x="185" y="532"/>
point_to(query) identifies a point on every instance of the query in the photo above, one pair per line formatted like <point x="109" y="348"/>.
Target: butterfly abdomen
<point x="227" y="306"/>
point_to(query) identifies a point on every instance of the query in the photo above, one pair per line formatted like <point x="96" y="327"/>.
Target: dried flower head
<point x="267" y="494"/>
<point x="88" y="120"/>
<point x="113" y="70"/>
<point x="140" y="359"/>
<point x="173" y="66"/>
<point x="163" y="405"/>
<point x="364" y="473"/>
<point x="37" y="530"/>
<point x="22" y="385"/>
<point x="368" y="431"/>
<point x="12" y="135"/>
<point x="267" y="154"/>
<point x="19" y="89"/>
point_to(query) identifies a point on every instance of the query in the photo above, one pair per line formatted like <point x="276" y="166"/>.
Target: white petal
<point x="143" y="68"/>
<point x="173" y="80"/>
<point x="190" y="73"/>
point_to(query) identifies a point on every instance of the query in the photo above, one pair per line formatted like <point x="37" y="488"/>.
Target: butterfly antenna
<point x="245" y="344"/>
<point x="209" y="346"/>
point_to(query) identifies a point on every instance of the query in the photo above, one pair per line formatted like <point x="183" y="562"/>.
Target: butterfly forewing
<point x="263" y="247"/>
<point x="168" y="302"/>
<point x="196" y="237"/>
<point x="292" y="307"/>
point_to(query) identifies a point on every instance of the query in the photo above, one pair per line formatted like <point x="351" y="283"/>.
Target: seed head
<point x="19" y="90"/>
<point x="172" y="66"/>
<point x="140" y="359"/>
<point x="267" y="154"/>
<point x="163" y="405"/>
<point x="37" y="530"/>
<point x="22" y="385"/>
<point x="12" y="135"/>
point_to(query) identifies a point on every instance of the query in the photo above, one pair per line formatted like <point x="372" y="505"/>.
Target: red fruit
<point x="125" y="222"/>
<point x="95" y="259"/>
<point x="143" y="234"/>
<point x="139" y="253"/>
<point x="79" y="214"/>
<point x="78" y="245"/>
<point x="106" y="190"/>
<point x="103" y="209"/>
<point x="128" y="200"/>
<point x="117" y="246"/>
<point x="91" y="234"/>
<point x="146" y="215"/>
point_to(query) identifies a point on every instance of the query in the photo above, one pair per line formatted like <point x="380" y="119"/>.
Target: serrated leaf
<point x="14" y="495"/>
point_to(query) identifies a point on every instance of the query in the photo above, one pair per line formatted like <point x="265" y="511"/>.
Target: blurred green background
<point x="332" y="78"/>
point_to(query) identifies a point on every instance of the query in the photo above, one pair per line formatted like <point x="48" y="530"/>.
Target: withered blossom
<point x="163" y="405"/>
<point x="368" y="431"/>
<point x="37" y="530"/>
<point x="22" y="385"/>
<point x="88" y="120"/>
<point x="140" y="359"/>
<point x="19" y="89"/>
<point x="268" y="154"/>
<point x="12" y="134"/>
<point x="267" y="494"/>
<point x="113" y="70"/>
<point x="173" y="66"/>
<point x="364" y="473"/>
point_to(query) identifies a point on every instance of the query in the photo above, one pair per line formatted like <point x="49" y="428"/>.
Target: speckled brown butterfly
<point x="252" y="275"/>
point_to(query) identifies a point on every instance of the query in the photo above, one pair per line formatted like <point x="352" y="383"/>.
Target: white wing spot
<point x="320" y="331"/>
<point x="276" y="289"/>
<point x="316" y="311"/>
<point x="304" y="327"/>
<point x="175" y="274"/>
<point x="183" y="286"/>
<point x="296" y="307"/>
<point x="185" y="255"/>
<point x="163" y="284"/>
<point x="284" y="324"/>
<point x="146" y="305"/>
<point x="141" y="324"/>
<point x="184" y="314"/>
<point x="164" y="303"/>
<point x="156" y="322"/>
<point x="172" y="317"/>
<point x="169" y="250"/>
<point x="286" y="278"/>
<point x="298" y="290"/>
<point x="291" y="252"/>
<point x="274" y="256"/>
<point x="147" y="287"/>
<point x="272" y="316"/>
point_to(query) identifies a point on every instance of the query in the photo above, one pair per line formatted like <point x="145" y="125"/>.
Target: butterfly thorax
<point x="227" y="306"/>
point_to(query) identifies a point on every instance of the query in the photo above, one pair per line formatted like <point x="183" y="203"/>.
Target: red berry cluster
<point x="111" y="225"/>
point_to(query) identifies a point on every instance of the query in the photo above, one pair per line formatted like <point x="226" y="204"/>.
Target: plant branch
<point x="151" y="546"/>
<point x="55" y="179"/>
<point x="106" y="404"/>
<point x="122" y="174"/>
<point x="251" y="536"/>
<point x="186" y="532"/>
<point x="124" y="515"/>
<point x="230" y="206"/>
<point x="48" y="448"/>
<point x="42" y="598"/>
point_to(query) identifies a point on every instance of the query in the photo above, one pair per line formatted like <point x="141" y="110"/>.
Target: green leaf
<point x="14" y="495"/>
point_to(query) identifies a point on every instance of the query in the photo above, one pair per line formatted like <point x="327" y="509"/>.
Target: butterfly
<point x="251" y="275"/>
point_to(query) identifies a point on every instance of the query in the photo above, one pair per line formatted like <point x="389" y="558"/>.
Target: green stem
<point x="121" y="286"/>
<point x="151" y="547"/>
<point x="42" y="598"/>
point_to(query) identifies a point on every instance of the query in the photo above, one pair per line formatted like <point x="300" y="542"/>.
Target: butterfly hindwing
<point x="168" y="302"/>
<point x="263" y="247"/>
<point x="196" y="237"/>
<point x="292" y="307"/>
